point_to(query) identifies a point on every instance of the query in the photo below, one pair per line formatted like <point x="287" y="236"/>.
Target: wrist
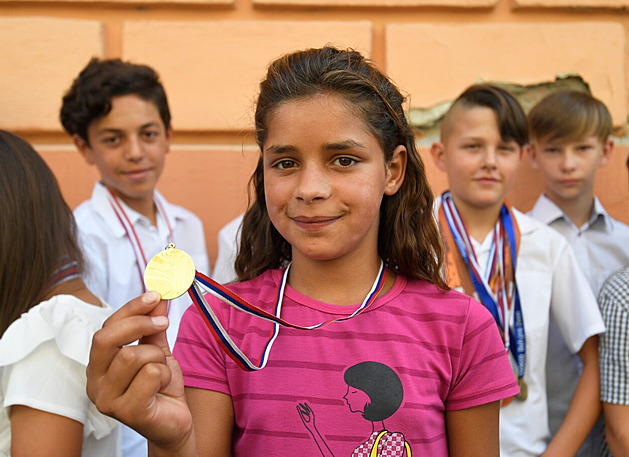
<point x="185" y="448"/>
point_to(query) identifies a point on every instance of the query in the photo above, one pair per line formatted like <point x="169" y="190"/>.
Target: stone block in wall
<point x="382" y="3"/>
<point x="211" y="70"/>
<point x="589" y="4"/>
<point x="436" y="62"/>
<point x="40" y="58"/>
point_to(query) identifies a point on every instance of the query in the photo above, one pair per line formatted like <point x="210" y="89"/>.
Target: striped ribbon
<point x="229" y="297"/>
<point x="132" y="236"/>
<point x="502" y="302"/>
<point x="68" y="269"/>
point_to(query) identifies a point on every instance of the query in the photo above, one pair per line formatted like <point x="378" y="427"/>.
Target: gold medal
<point x="170" y="273"/>
<point x="524" y="389"/>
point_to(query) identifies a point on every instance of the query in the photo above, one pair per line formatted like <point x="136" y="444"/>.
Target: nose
<point x="313" y="183"/>
<point x="489" y="158"/>
<point x="134" y="150"/>
<point x="568" y="161"/>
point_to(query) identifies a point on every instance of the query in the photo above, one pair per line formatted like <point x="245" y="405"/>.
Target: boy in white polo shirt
<point x="570" y="140"/>
<point x="118" y="116"/>
<point x="522" y="271"/>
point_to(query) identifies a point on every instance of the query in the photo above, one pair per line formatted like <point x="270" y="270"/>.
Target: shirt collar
<point x="102" y="206"/>
<point x="547" y="211"/>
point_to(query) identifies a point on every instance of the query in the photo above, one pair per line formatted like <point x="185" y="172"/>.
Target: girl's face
<point x="356" y="399"/>
<point x="324" y="178"/>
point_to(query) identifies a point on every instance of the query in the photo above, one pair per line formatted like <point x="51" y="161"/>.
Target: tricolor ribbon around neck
<point x="506" y="302"/>
<point x="68" y="269"/>
<point x="132" y="236"/>
<point x="229" y="297"/>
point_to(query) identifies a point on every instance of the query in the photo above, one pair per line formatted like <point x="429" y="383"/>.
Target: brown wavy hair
<point x="37" y="229"/>
<point x="408" y="239"/>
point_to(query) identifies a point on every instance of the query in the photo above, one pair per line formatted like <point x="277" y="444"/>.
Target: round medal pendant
<point x="170" y="273"/>
<point x="524" y="389"/>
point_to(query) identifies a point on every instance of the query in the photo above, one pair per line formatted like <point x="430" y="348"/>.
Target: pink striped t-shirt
<point x="415" y="353"/>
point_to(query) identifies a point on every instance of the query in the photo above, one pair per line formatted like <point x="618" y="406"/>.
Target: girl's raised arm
<point x="141" y="384"/>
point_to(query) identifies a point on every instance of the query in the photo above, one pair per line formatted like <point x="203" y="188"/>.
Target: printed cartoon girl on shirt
<point x="374" y="390"/>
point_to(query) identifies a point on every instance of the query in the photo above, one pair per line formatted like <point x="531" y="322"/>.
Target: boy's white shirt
<point x="111" y="263"/>
<point x="601" y="247"/>
<point x="228" y="240"/>
<point x="545" y="264"/>
<point x="112" y="273"/>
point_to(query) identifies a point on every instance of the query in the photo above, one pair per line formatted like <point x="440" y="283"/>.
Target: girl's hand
<point x="141" y="384"/>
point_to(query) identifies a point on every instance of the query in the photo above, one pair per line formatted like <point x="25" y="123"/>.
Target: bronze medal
<point x="170" y="273"/>
<point x="524" y="389"/>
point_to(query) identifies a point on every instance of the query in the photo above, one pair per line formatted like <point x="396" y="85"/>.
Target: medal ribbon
<point x="132" y="236"/>
<point x="68" y="269"/>
<point x="463" y="270"/>
<point x="232" y="299"/>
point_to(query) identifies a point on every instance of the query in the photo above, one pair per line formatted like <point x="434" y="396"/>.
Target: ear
<point x="533" y="151"/>
<point x="169" y="138"/>
<point x="437" y="151"/>
<point x="83" y="148"/>
<point x="395" y="170"/>
<point x="608" y="148"/>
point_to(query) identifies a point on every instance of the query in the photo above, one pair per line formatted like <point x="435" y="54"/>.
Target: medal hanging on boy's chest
<point x="497" y="289"/>
<point x="171" y="273"/>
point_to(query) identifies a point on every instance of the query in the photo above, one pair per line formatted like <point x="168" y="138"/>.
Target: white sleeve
<point x="48" y="381"/>
<point x="573" y="305"/>
<point x="228" y="241"/>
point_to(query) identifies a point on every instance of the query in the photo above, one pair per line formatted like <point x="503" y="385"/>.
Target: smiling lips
<point x="314" y="223"/>
<point x="136" y="174"/>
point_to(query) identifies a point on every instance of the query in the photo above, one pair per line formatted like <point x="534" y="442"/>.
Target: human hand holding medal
<point x="170" y="273"/>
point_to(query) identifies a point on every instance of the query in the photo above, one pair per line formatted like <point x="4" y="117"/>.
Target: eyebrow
<point x="119" y="130"/>
<point x="334" y="146"/>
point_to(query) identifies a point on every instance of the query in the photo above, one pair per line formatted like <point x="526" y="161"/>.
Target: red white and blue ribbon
<point x="232" y="299"/>
<point x="502" y="299"/>
<point x="68" y="269"/>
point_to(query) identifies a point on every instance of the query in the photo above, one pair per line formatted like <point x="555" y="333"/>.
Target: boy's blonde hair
<point x="569" y="115"/>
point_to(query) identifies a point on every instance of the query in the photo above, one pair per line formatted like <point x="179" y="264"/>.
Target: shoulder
<point x="67" y="320"/>
<point x="451" y="305"/>
<point x="537" y="235"/>
<point x="617" y="285"/>
<point x="230" y="229"/>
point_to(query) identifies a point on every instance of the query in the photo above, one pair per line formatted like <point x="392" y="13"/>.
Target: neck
<point x="75" y="287"/>
<point x="338" y="282"/>
<point x="478" y="221"/>
<point x="145" y="205"/>
<point x="578" y="210"/>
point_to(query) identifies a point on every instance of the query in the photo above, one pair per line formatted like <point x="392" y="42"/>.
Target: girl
<point x="47" y="318"/>
<point x="340" y="195"/>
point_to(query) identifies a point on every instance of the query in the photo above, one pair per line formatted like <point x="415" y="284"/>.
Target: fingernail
<point x="150" y="297"/>
<point x="159" y="321"/>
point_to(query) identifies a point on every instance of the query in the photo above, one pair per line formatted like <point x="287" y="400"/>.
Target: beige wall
<point x="212" y="53"/>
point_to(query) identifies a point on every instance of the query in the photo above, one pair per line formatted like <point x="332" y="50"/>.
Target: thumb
<point x="159" y="313"/>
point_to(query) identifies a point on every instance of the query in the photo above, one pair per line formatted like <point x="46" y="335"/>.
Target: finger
<point x="125" y="326"/>
<point x="125" y="368"/>
<point x="159" y="338"/>
<point x="136" y="406"/>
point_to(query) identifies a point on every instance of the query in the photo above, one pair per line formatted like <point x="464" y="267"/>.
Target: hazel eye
<point x="284" y="164"/>
<point x="345" y="161"/>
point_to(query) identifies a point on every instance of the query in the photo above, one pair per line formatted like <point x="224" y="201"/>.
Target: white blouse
<point x="43" y="357"/>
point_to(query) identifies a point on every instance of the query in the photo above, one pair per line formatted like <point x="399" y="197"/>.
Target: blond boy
<point x="570" y="141"/>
